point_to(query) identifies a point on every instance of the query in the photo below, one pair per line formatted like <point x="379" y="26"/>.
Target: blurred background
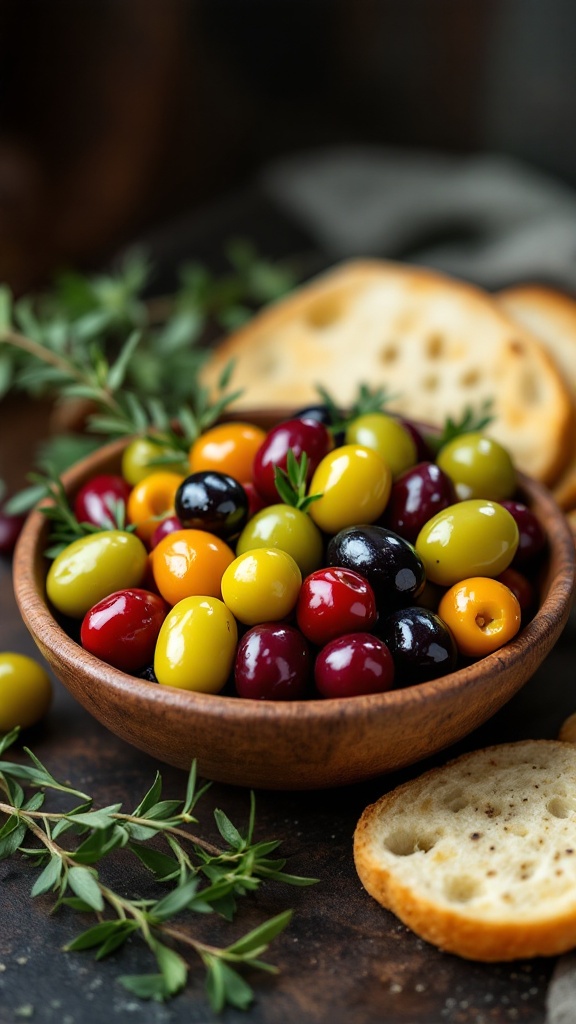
<point x="180" y="122"/>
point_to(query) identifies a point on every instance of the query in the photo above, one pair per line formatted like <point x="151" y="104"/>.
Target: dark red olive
<point x="272" y="663"/>
<point x="98" y="501"/>
<point x="299" y="435"/>
<point x="417" y="495"/>
<point x="532" y="537"/>
<point x="352" y="665"/>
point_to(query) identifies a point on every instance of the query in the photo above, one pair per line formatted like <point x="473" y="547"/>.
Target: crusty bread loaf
<point x="439" y="345"/>
<point x="479" y="856"/>
<point x="551" y="316"/>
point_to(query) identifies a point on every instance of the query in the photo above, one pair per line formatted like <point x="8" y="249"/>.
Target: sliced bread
<point x="551" y="316"/>
<point x="479" y="856"/>
<point x="438" y="345"/>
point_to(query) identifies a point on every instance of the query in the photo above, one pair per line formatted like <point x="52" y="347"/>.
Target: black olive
<point x="212" y="501"/>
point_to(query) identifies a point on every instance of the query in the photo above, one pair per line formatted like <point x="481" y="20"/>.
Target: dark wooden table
<point x="343" y="958"/>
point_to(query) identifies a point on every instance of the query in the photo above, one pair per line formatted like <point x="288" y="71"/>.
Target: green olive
<point x="479" y="467"/>
<point x="94" y="567"/>
<point x="470" y="538"/>
<point x="141" y="457"/>
<point x="385" y="435"/>
<point x="287" y="528"/>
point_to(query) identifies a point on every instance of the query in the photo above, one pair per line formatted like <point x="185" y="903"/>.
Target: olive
<point x="420" y="643"/>
<point x="212" y="501"/>
<point x="390" y="564"/>
<point x="470" y="538"/>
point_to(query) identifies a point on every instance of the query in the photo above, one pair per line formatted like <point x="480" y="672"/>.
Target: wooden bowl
<point x="301" y="744"/>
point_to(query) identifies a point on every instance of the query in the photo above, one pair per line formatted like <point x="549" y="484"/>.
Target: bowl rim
<point x="29" y="577"/>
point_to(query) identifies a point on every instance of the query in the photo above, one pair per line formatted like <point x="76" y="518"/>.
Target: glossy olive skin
<point x="298" y="435"/>
<point x="213" y="501"/>
<point x="94" y="566"/>
<point x="286" y="528"/>
<point x="97" y="500"/>
<point x="122" y="629"/>
<point x="479" y="467"/>
<point x="421" y="645"/>
<point x="25" y="691"/>
<point x="272" y="662"/>
<point x="532" y="539"/>
<point x="417" y="495"/>
<point x="385" y="435"/>
<point x="196" y="645"/>
<point x="470" y="538"/>
<point x="352" y="665"/>
<point x="389" y="563"/>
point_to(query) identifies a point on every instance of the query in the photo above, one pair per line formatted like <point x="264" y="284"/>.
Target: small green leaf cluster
<point x="203" y="878"/>
<point x="134" y="361"/>
<point x="291" y="483"/>
<point x="470" y="420"/>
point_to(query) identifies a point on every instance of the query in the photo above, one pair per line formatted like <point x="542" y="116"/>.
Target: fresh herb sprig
<point x="133" y="362"/>
<point x="203" y="878"/>
<point x="292" y="482"/>
<point x="470" y="420"/>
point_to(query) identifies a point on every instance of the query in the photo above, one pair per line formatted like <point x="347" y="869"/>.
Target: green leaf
<point x="260" y="937"/>
<point x="160" y="864"/>
<point x="163" y="811"/>
<point x="116" y="939"/>
<point x="102" y="818"/>
<point x="176" y="900"/>
<point x="25" y="500"/>
<point x="237" y="991"/>
<point x="11" y="838"/>
<point x="83" y="882"/>
<point x="8" y="739"/>
<point x="75" y="903"/>
<point x="146" y="986"/>
<point x="50" y="876"/>
<point x="173" y="967"/>
<point x="93" y="936"/>
<point x="6" y="372"/>
<point x="227" y="830"/>
<point x="215" y="985"/>
<point x="117" y="371"/>
<point x="100" y="843"/>
<point x="140" y="832"/>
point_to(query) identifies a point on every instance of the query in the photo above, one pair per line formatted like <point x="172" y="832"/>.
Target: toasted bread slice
<point x="479" y="856"/>
<point x="438" y="345"/>
<point x="551" y="316"/>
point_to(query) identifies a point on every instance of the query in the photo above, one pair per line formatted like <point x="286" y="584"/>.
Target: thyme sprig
<point x="203" y="878"/>
<point x="470" y="421"/>
<point x="133" y="361"/>
<point x="292" y="482"/>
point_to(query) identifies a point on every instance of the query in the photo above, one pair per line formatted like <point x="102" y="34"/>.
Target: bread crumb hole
<point x="405" y="843"/>
<point x="456" y="801"/>
<point x="389" y="354"/>
<point x="435" y="346"/>
<point x="325" y="311"/>
<point x="529" y="390"/>
<point x="462" y="888"/>
<point x="430" y="383"/>
<point x="470" y="379"/>
<point x="525" y="871"/>
<point x="561" y="807"/>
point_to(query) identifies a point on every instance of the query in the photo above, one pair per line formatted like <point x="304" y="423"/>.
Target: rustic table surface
<point x="342" y="958"/>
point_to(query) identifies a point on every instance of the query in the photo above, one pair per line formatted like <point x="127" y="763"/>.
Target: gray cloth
<point x="488" y="218"/>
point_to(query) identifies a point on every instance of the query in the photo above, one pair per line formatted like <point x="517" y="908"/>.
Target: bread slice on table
<point x="551" y="316"/>
<point x="438" y="345"/>
<point x="479" y="856"/>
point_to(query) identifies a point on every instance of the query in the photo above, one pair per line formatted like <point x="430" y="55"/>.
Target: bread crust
<point x="551" y="316"/>
<point x="438" y="344"/>
<point x="486" y="928"/>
